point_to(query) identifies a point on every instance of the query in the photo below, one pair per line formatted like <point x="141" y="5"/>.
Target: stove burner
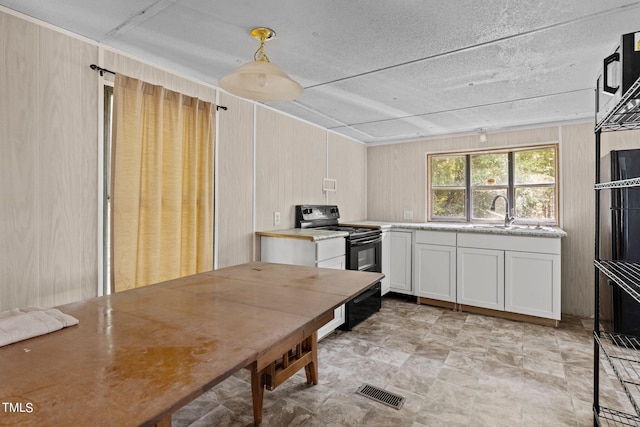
<point x="354" y="232"/>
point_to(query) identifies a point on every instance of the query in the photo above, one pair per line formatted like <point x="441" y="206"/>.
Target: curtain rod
<point x="101" y="70"/>
<point x="104" y="70"/>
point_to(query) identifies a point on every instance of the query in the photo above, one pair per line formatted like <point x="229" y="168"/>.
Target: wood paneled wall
<point x="348" y="166"/>
<point x="235" y="182"/>
<point x="48" y="166"/>
<point x="577" y="158"/>
<point x="291" y="163"/>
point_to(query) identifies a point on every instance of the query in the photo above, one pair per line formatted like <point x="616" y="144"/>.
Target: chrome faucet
<point x="508" y="216"/>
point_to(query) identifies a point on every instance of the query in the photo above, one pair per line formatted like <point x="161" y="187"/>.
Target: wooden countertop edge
<point x="285" y="236"/>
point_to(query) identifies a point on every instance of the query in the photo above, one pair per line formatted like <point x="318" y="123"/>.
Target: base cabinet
<point x="400" y="248"/>
<point x="386" y="262"/>
<point x="480" y="281"/>
<point x="514" y="274"/>
<point x="338" y="263"/>
<point x="532" y="284"/>
<point x="435" y="265"/>
<point x="328" y="253"/>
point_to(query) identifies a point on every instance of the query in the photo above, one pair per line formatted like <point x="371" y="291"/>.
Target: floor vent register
<point x="382" y="396"/>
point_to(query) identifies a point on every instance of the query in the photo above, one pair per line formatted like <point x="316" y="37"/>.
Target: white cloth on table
<point x="17" y="325"/>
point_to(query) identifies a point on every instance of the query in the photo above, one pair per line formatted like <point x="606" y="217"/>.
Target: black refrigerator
<point x="625" y="229"/>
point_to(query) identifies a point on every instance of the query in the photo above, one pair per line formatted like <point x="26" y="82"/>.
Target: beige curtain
<point x="162" y="178"/>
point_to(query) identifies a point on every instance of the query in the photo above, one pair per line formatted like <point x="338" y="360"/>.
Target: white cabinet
<point x="434" y="272"/>
<point x="329" y="253"/>
<point x="338" y="263"/>
<point x="400" y="248"/>
<point x="480" y="281"/>
<point x="296" y="251"/>
<point x="386" y="262"/>
<point x="532" y="284"/>
<point x="517" y="274"/>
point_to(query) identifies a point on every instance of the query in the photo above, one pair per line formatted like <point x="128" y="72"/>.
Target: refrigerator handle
<point x="605" y="67"/>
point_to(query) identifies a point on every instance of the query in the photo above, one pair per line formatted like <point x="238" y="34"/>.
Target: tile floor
<point x="454" y="369"/>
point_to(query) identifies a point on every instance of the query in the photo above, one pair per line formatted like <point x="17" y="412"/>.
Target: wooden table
<point x="138" y="356"/>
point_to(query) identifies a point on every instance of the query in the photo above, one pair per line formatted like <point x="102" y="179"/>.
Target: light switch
<point x="408" y="214"/>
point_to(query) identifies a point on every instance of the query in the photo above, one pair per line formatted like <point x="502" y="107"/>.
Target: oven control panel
<point x="316" y="215"/>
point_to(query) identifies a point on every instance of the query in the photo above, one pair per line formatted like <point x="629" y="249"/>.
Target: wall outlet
<point x="276" y="218"/>
<point x="408" y="214"/>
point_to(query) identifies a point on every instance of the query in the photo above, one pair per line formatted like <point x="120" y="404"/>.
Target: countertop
<point x="304" y="233"/>
<point x="515" y="230"/>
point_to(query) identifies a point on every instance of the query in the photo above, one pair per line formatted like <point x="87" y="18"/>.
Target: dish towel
<point x="17" y="325"/>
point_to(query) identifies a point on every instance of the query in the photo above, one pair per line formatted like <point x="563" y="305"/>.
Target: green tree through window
<point x="462" y="186"/>
<point x="448" y="186"/>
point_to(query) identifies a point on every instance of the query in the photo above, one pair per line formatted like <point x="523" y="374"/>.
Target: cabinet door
<point x="386" y="262"/>
<point x="330" y="248"/>
<point x="337" y="263"/>
<point x="400" y="269"/>
<point x="532" y="284"/>
<point x="288" y="251"/>
<point x="480" y="278"/>
<point x="435" y="272"/>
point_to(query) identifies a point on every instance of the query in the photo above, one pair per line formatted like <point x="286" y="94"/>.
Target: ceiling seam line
<point x="464" y="108"/>
<point x="478" y="45"/>
<point x="139" y="17"/>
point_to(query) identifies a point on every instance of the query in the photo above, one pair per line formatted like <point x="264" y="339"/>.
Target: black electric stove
<point x="363" y="248"/>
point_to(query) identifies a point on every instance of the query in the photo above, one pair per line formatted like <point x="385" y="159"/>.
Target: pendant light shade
<point x="261" y="80"/>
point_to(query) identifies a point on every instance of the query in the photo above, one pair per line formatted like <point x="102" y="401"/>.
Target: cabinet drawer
<point x="330" y="248"/>
<point x="429" y="237"/>
<point x="509" y="243"/>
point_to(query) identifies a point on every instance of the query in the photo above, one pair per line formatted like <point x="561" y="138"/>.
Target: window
<point x="463" y="186"/>
<point x="448" y="187"/>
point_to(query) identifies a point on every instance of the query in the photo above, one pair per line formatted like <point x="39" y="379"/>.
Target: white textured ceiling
<point x="379" y="70"/>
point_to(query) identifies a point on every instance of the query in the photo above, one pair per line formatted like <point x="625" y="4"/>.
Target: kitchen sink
<point x="498" y="226"/>
<point x="510" y="227"/>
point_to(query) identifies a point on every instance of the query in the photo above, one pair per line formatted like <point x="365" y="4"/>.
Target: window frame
<point x="511" y="186"/>
<point x="465" y="188"/>
<point x="107" y="118"/>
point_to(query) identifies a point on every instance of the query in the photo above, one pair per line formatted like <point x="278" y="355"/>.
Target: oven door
<point x="365" y="255"/>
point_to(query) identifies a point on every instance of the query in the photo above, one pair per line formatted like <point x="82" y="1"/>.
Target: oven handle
<point x="366" y="242"/>
<point x="365" y="295"/>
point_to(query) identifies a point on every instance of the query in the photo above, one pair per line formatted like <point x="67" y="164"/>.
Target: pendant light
<point x="261" y="80"/>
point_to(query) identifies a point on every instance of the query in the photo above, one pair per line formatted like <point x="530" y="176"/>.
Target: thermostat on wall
<point x="329" y="184"/>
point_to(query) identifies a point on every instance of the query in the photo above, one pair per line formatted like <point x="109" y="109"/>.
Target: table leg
<point x="257" y="393"/>
<point x="283" y="367"/>
<point x="311" y="369"/>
